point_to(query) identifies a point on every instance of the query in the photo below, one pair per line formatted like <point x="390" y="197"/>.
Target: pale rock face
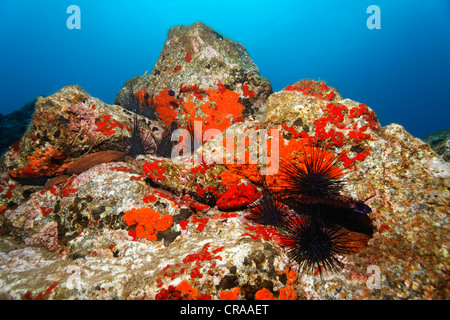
<point x="77" y="239"/>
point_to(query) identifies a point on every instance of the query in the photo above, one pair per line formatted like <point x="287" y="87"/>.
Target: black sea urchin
<point x="314" y="179"/>
<point x="267" y="210"/>
<point x="138" y="143"/>
<point x="312" y="245"/>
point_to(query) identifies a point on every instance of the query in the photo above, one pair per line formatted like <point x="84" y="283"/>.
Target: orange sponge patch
<point x="264" y="294"/>
<point x="42" y="163"/>
<point x="222" y="110"/>
<point x="166" y="107"/>
<point x="148" y="222"/>
<point x="187" y="291"/>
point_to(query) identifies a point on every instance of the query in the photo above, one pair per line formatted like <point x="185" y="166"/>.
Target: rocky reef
<point x="95" y="206"/>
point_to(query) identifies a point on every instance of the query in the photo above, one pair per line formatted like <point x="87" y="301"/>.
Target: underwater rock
<point x="440" y="143"/>
<point x="148" y="227"/>
<point x="200" y="76"/>
<point x="68" y="125"/>
<point x="72" y="207"/>
<point x="215" y="260"/>
<point x="404" y="182"/>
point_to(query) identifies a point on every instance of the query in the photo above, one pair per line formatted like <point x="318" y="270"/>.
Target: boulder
<point x="68" y="125"/>
<point x="200" y="76"/>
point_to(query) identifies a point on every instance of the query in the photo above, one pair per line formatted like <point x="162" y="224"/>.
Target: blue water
<point x="401" y="70"/>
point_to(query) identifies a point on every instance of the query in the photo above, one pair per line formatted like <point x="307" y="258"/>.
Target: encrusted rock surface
<point x="200" y="76"/>
<point x="148" y="227"/>
<point x="68" y="125"/>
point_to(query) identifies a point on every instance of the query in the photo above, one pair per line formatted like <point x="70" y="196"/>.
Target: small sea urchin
<point x="266" y="210"/>
<point x="139" y="142"/>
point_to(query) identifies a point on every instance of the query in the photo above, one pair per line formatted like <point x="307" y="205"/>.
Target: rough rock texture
<point x="148" y="227"/>
<point x="200" y="75"/>
<point x="440" y="142"/>
<point x="68" y="125"/>
<point x="405" y="183"/>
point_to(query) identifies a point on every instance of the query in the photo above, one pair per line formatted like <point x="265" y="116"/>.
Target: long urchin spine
<point x="267" y="210"/>
<point x="314" y="179"/>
